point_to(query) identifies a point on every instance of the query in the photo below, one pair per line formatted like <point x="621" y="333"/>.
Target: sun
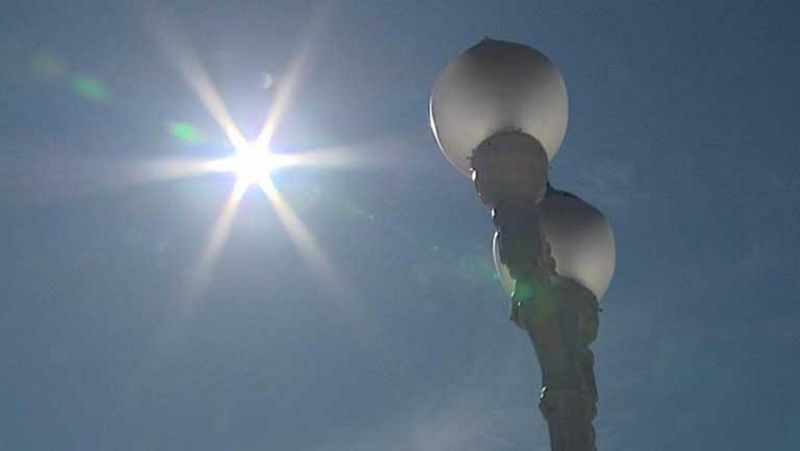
<point x="251" y="163"/>
<point x="252" y="166"/>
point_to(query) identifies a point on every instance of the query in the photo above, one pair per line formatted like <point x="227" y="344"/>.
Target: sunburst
<point x="252" y="162"/>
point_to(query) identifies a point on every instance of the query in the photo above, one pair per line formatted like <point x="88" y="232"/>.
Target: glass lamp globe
<point x="497" y="86"/>
<point x="581" y="242"/>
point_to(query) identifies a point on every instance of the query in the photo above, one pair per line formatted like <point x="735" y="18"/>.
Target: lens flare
<point x="185" y="132"/>
<point x="90" y="88"/>
<point x="251" y="162"/>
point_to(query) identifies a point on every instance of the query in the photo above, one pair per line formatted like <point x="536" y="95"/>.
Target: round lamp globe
<point x="497" y="86"/>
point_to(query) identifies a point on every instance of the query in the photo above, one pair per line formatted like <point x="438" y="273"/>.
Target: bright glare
<point x="251" y="164"/>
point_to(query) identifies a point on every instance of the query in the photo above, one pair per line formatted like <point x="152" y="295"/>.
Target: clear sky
<point x="683" y="130"/>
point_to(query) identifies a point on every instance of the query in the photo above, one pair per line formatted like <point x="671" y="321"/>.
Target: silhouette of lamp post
<point x="499" y="114"/>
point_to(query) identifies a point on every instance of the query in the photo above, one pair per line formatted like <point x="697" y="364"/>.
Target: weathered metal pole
<point x="562" y="322"/>
<point x="561" y="318"/>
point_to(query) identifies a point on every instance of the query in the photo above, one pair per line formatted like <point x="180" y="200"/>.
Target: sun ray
<point x="171" y="169"/>
<point x="183" y="57"/>
<point x="199" y="275"/>
<point x="305" y="242"/>
<point x="286" y="89"/>
<point x="324" y="158"/>
<point x="382" y="152"/>
<point x="361" y="315"/>
<point x="66" y="176"/>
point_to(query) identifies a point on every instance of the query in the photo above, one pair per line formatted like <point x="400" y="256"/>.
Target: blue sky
<point x="682" y="130"/>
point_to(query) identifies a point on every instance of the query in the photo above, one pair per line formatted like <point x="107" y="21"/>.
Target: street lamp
<point x="499" y="114"/>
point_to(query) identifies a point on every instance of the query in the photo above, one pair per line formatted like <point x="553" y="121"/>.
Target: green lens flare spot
<point x="523" y="291"/>
<point x="185" y="132"/>
<point x="90" y="88"/>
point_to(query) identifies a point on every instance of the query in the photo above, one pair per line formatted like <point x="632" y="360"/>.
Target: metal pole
<point x="562" y="321"/>
<point x="561" y="318"/>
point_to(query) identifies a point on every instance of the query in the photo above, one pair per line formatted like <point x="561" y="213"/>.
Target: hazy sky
<point x="683" y="130"/>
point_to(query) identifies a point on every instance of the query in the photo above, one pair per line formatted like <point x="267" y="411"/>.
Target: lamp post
<point x="499" y="114"/>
